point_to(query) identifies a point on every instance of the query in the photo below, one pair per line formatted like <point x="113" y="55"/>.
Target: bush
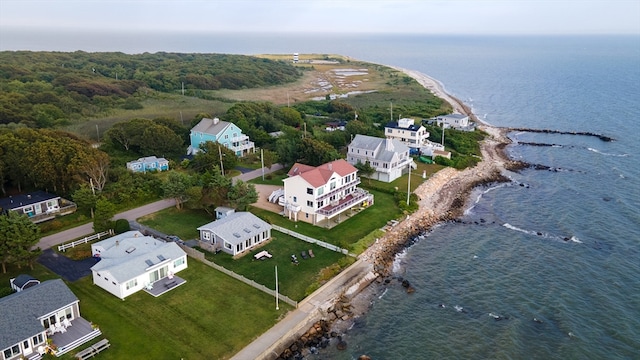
<point x="121" y="226"/>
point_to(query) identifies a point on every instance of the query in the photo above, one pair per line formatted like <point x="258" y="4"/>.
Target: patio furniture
<point x="66" y="323"/>
<point x="311" y="253"/>
<point x="303" y="254"/>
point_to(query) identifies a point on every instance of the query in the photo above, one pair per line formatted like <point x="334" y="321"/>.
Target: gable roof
<point x="16" y="201"/>
<point x="453" y="116"/>
<point x="23" y="279"/>
<point x="237" y="227"/>
<point x="20" y="312"/>
<point x="211" y="126"/>
<point x="125" y="256"/>
<point x="384" y="149"/>
<point x="149" y="159"/>
<point x="319" y="176"/>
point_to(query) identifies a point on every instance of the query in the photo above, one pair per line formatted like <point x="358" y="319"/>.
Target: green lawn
<point x="205" y="318"/>
<point x="274" y="178"/>
<point x="351" y="229"/>
<point x="293" y="280"/>
<point x="183" y="223"/>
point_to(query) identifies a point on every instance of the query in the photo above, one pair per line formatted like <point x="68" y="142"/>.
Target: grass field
<point x="293" y="279"/>
<point x="205" y="318"/>
<point x="183" y="223"/>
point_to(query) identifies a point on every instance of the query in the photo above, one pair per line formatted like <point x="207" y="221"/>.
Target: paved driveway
<point x="70" y="270"/>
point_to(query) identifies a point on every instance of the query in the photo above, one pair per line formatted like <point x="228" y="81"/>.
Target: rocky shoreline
<point x="443" y="197"/>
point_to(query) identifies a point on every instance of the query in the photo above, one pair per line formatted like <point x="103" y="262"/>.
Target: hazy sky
<point x="345" y="16"/>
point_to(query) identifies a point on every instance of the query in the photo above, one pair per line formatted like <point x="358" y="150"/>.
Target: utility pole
<point x="277" y="307"/>
<point x="409" y="184"/>
<point x="262" y="162"/>
<point x="221" y="165"/>
<point x="98" y="132"/>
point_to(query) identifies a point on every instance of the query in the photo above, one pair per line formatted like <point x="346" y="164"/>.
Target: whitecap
<point x="458" y="308"/>
<point x="383" y="293"/>
<point x="575" y="239"/>
<point x="542" y="234"/>
<point x="606" y="154"/>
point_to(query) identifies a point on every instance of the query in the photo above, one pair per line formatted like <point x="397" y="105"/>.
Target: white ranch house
<point x="131" y="262"/>
<point x="236" y="232"/>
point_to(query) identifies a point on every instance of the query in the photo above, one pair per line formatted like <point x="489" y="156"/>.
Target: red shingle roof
<point x="319" y="176"/>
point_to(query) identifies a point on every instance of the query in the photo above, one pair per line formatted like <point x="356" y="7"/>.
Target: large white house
<point x="236" y="232"/>
<point x="313" y="194"/>
<point x="130" y="262"/>
<point x="389" y="157"/>
<point x="405" y="130"/>
<point x="222" y="132"/>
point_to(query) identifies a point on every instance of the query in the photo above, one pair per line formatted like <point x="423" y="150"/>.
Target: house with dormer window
<point x="389" y="157"/>
<point x="222" y="132"/>
<point x="130" y="262"/>
<point x="315" y="194"/>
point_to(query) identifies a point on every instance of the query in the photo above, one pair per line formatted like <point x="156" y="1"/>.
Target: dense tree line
<point x="46" y="89"/>
<point x="50" y="160"/>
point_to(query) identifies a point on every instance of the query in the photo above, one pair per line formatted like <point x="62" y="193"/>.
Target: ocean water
<point x="559" y="246"/>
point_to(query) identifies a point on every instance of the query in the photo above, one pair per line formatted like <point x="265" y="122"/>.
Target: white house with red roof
<point x="314" y="194"/>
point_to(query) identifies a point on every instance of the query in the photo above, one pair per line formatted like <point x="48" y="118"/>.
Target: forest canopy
<point x="48" y="89"/>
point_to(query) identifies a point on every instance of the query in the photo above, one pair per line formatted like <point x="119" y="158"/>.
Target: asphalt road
<point x="87" y="229"/>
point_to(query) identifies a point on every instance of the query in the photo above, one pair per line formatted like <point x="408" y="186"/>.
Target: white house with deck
<point x="455" y="121"/>
<point x="130" y="262"/>
<point x="42" y="313"/>
<point x="406" y="131"/>
<point x="313" y="194"/>
<point x="236" y="232"/>
<point x="389" y="157"/>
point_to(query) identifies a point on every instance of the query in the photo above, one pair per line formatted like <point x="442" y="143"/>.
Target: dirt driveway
<point x="263" y="198"/>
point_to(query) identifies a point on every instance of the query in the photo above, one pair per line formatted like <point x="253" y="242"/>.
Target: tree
<point x="315" y="152"/>
<point x="161" y="141"/>
<point x="18" y="235"/>
<point x="94" y="166"/>
<point x="242" y="194"/>
<point x="85" y="198"/>
<point x="211" y="154"/>
<point x="269" y="158"/>
<point x="176" y="187"/>
<point x="104" y="212"/>
<point x="365" y="169"/>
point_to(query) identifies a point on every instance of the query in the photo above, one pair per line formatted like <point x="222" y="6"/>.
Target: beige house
<point x="314" y="194"/>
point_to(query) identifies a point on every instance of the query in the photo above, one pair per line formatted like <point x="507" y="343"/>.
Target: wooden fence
<point x="85" y="240"/>
<point x="198" y="255"/>
<point x="312" y="240"/>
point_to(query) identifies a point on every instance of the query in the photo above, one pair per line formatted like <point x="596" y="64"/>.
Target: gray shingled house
<point x="235" y="233"/>
<point x="48" y="310"/>
<point x="389" y="157"/>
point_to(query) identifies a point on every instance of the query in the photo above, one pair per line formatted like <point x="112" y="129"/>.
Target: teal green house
<point x="222" y="132"/>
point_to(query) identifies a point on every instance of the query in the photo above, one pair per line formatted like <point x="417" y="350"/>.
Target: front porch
<point x="80" y="332"/>
<point x="164" y="285"/>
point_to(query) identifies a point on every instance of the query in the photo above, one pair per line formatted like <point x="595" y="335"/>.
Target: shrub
<point x="121" y="226"/>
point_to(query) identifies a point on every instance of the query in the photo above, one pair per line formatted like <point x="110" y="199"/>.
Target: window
<point x="206" y="235"/>
<point x="131" y="284"/>
<point x="28" y="209"/>
<point x="227" y="245"/>
<point x="38" y="339"/>
<point x="12" y="351"/>
<point x="310" y="203"/>
<point x="178" y="262"/>
<point x="389" y="131"/>
<point x="310" y="191"/>
<point x="295" y="199"/>
<point x="320" y="191"/>
<point x="332" y="185"/>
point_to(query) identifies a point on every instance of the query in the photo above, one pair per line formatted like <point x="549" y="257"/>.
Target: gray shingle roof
<point x="19" y="312"/>
<point x="209" y="126"/>
<point x="237" y="227"/>
<point x="385" y="148"/>
<point x="125" y="256"/>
